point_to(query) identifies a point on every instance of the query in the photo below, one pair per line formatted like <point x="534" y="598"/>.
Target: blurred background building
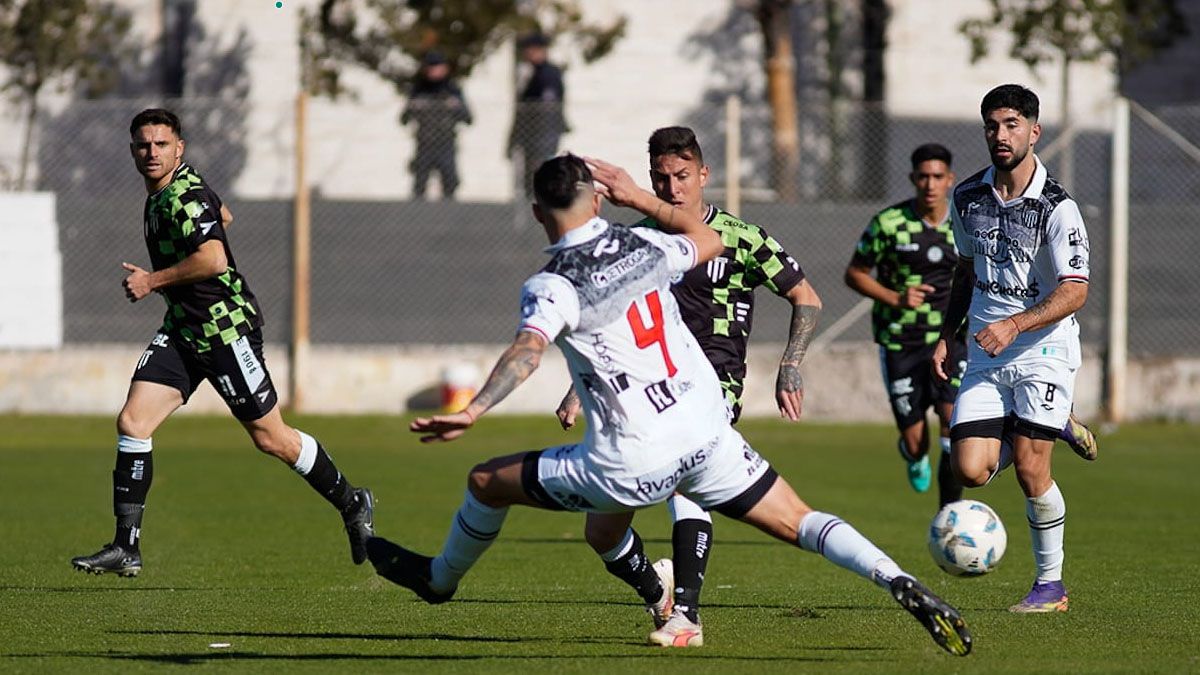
<point x="828" y="100"/>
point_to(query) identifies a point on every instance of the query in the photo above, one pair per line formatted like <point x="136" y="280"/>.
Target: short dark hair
<point x="151" y="116"/>
<point x="1014" y="96"/>
<point x="557" y="181"/>
<point x="679" y="141"/>
<point x="930" y="151"/>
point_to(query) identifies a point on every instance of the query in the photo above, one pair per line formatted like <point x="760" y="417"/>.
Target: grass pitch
<point x="238" y="550"/>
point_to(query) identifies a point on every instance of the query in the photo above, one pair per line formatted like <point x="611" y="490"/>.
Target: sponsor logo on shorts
<point x="652" y="486"/>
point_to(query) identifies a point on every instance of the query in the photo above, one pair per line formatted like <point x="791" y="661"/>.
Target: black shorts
<point x="911" y="385"/>
<point x="237" y="371"/>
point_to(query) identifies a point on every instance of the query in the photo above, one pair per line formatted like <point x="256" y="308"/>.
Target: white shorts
<point x="1038" y="392"/>
<point x="725" y="475"/>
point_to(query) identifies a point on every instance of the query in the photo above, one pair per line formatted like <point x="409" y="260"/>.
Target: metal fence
<point x="436" y="270"/>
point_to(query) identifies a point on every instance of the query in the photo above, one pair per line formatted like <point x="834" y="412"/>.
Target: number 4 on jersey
<point x="645" y="336"/>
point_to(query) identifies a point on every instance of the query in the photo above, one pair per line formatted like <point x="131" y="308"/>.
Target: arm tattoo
<point x="804" y="324"/>
<point x="516" y="364"/>
<point x="1054" y="307"/>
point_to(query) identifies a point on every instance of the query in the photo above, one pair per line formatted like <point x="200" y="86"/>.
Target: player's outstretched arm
<point x="207" y="262"/>
<point x="619" y="188"/>
<point x="789" y="384"/>
<point x="515" y="366"/>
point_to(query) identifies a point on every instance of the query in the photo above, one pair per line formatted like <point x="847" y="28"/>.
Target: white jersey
<point x="1022" y="250"/>
<point x="649" y="394"/>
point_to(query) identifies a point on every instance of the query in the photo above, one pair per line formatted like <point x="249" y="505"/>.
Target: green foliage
<point x="239" y="550"/>
<point x="68" y="42"/>
<point x="1079" y="30"/>
<point x="388" y="37"/>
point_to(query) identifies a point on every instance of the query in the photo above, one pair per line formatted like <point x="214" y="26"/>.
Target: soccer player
<point x="657" y="417"/>
<point x="911" y="248"/>
<point x="1022" y="275"/>
<point x="212" y="330"/>
<point x="717" y="304"/>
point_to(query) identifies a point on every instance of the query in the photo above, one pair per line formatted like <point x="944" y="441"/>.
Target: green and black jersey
<point x="178" y="219"/>
<point x="906" y="251"/>
<point x="717" y="298"/>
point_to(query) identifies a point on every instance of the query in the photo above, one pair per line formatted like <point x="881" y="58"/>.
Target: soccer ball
<point x="966" y="538"/>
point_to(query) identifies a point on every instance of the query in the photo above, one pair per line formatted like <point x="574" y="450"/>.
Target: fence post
<point x="301" y="262"/>
<point x="733" y="154"/>
<point x="1118" y="299"/>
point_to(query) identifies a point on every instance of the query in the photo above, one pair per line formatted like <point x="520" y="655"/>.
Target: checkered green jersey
<point x="905" y="251"/>
<point x="178" y="219"/>
<point x="717" y="298"/>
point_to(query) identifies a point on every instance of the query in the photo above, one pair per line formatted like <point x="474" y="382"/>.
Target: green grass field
<point x="237" y="549"/>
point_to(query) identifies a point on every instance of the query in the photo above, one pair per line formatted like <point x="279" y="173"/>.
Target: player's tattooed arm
<point x="789" y="383"/>
<point x="1067" y="298"/>
<point x="516" y="364"/>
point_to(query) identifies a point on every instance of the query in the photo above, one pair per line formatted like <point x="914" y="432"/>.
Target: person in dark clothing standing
<point x="538" y="122"/>
<point x="437" y="106"/>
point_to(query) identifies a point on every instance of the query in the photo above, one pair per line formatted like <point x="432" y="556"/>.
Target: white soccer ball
<point x="966" y="538"/>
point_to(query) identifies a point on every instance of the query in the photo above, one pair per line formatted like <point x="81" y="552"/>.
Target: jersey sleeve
<point x="680" y="251"/>
<point x="549" y="305"/>
<point x="961" y="242"/>
<point x="768" y="264"/>
<point x="198" y="215"/>
<point x="1069" y="249"/>
<point x="870" y="244"/>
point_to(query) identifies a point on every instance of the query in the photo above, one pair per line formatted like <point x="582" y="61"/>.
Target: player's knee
<point x="602" y="536"/>
<point x="133" y="425"/>
<point x="972" y="474"/>
<point x="482" y="481"/>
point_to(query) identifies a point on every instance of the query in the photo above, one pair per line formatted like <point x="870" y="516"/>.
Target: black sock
<point x="635" y="569"/>
<point x="329" y="482"/>
<point x="131" y="482"/>
<point x="691" y="540"/>
<point x="949" y="489"/>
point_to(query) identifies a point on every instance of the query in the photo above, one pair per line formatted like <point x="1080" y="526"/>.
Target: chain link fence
<point x="430" y="266"/>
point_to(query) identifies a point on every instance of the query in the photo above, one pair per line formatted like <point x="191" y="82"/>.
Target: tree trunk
<point x="775" y="20"/>
<point x="27" y="143"/>
<point x="1066" y="162"/>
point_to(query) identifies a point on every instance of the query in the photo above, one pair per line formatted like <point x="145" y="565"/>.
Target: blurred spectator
<point x="538" y="122"/>
<point x="437" y="106"/>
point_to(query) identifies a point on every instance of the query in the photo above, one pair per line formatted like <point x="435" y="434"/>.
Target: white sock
<point x="1006" y="457"/>
<point x="134" y="445"/>
<point x="308" y="454"/>
<point x="1047" y="522"/>
<point x="474" y="528"/>
<point x="683" y="508"/>
<point x="946" y="445"/>
<point x="843" y="546"/>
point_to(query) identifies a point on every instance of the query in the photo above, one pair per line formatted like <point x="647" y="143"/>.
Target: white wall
<point x="929" y="73"/>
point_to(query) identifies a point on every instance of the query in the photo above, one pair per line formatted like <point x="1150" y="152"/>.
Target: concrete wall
<point x="842" y="382"/>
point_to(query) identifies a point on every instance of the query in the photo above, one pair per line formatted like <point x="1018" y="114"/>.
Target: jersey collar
<point x="710" y="214"/>
<point x="1034" y="191"/>
<point x="582" y="234"/>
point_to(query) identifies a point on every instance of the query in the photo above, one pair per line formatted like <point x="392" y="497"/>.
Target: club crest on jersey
<point x="716" y="268"/>
<point x="935" y="254"/>
<point x="1030" y="218"/>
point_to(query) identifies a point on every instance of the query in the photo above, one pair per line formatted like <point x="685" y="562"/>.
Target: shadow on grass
<point x="127" y="589"/>
<point x="194" y="658"/>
